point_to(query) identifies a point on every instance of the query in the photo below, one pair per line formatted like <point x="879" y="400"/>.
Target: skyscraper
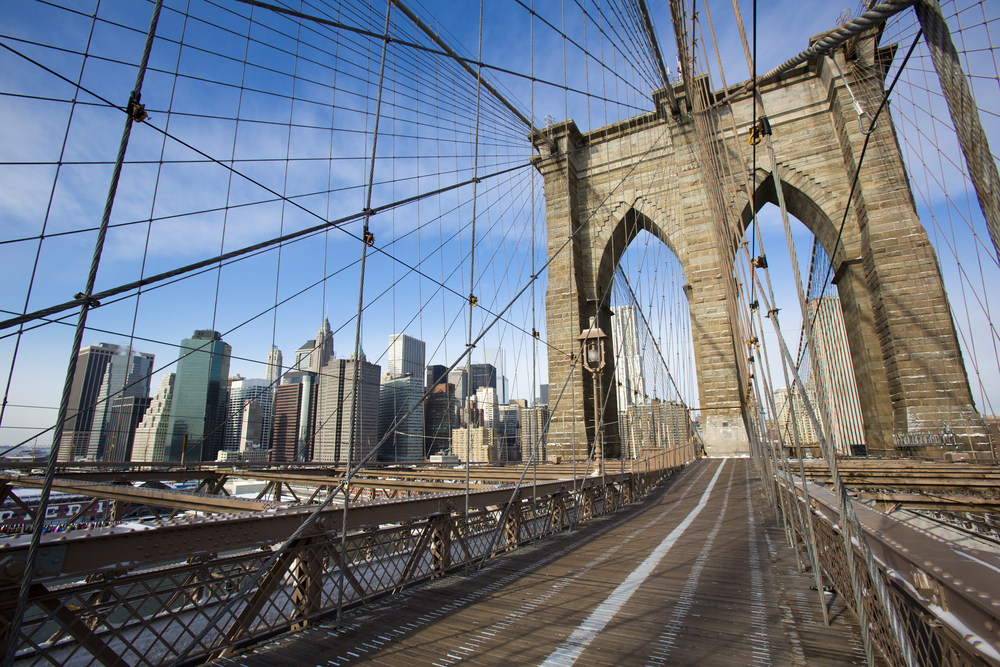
<point x="631" y="386"/>
<point x="335" y="403"/>
<point x="119" y="428"/>
<point x="534" y="431"/>
<point x="316" y="352"/>
<point x="294" y="418"/>
<point x="495" y="357"/>
<point x="402" y="389"/>
<point x="509" y="430"/>
<point x="785" y="404"/>
<point x="835" y="380"/>
<point x="150" y="443"/>
<point x="436" y="374"/>
<point x="476" y="444"/>
<point x="127" y="376"/>
<point x="440" y="417"/>
<point x="486" y="400"/>
<point x="482" y="375"/>
<point x="397" y="395"/>
<point x="405" y="357"/>
<point x="240" y="392"/>
<point x="460" y="378"/>
<point x="197" y="415"/>
<point x="273" y="375"/>
<point x="656" y="425"/>
<point x="87" y="413"/>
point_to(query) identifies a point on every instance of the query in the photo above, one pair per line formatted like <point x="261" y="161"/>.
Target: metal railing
<point x="946" y="596"/>
<point x="135" y="594"/>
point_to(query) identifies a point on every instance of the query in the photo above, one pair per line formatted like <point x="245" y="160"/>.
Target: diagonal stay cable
<point x="234" y="253"/>
<point x="45" y="312"/>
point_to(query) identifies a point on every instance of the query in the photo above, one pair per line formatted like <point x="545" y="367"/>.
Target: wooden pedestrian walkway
<point x="697" y="574"/>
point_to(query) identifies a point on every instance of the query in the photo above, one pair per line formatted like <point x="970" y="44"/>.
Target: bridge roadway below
<point x="698" y="573"/>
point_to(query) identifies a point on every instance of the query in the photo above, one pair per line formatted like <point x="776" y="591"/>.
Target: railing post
<point x="512" y="526"/>
<point x="307" y="573"/>
<point x="440" y="544"/>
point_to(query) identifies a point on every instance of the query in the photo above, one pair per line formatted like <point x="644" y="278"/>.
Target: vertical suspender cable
<point x="134" y="111"/>
<point x="366" y="238"/>
<point x="535" y="441"/>
<point x="472" y="266"/>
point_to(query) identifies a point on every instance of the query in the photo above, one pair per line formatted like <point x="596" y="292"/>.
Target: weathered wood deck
<point x="696" y="574"/>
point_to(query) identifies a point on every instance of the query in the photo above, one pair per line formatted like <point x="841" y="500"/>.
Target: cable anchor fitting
<point x="861" y="124"/>
<point x="760" y="130"/>
<point x="369" y="239"/>
<point x="87" y="300"/>
<point x="136" y="111"/>
<point x="754" y="305"/>
<point x="759" y="262"/>
<point x="535" y="333"/>
<point x="473" y="301"/>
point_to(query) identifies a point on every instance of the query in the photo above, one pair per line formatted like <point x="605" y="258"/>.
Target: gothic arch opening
<point x="842" y="369"/>
<point x="651" y="390"/>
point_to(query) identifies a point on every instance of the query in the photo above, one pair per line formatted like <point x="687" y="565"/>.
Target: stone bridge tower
<point x="604" y="187"/>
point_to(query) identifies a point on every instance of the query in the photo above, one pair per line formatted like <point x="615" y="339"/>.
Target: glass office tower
<point x="198" y="411"/>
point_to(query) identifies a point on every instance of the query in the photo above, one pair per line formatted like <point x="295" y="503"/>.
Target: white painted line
<point x="571" y="649"/>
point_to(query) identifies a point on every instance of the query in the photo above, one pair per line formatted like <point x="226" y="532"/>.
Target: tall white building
<point x="629" y="381"/>
<point x="150" y="443"/>
<point x="405" y="357"/>
<point x="486" y="400"/>
<point x="460" y="378"/>
<point x="835" y="380"/>
<point x="241" y="392"/>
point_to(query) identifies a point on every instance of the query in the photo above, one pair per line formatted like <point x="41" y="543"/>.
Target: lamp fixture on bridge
<point x="592" y="340"/>
<point x="593" y="343"/>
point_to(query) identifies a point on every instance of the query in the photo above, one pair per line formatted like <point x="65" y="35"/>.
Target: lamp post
<point x="592" y="340"/>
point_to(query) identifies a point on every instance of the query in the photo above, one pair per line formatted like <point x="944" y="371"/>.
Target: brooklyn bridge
<point x="689" y="357"/>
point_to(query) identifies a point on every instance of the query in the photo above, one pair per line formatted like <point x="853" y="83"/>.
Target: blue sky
<point x="307" y="94"/>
